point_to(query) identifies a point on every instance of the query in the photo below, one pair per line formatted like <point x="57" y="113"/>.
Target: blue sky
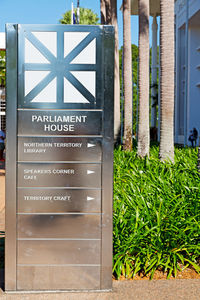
<point x="50" y="11"/>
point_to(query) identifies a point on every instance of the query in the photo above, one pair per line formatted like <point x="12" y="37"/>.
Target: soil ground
<point x="185" y="287"/>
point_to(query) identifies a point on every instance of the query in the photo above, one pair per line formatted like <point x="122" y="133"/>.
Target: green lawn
<point x="156" y="213"/>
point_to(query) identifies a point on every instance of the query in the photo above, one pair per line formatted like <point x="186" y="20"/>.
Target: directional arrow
<point x="90" y="172"/>
<point x="89" y="198"/>
<point x="90" y="145"/>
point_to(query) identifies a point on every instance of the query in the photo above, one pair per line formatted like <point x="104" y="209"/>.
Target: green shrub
<point x="156" y="221"/>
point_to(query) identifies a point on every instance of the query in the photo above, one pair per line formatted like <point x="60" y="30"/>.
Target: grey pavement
<point x="181" y="289"/>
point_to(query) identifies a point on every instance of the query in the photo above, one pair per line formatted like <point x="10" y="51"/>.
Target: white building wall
<point x="193" y="99"/>
<point x="2" y="41"/>
<point x="180" y="10"/>
<point x="180" y="86"/>
<point x="194" y="79"/>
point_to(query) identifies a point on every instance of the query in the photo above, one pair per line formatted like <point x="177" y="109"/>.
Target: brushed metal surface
<point x="59" y="149"/>
<point x="59" y="226"/>
<point x="48" y="122"/>
<point x="59" y="175"/>
<point x="58" y="200"/>
<point x="58" y="252"/>
<point x="11" y="140"/>
<point x="64" y="242"/>
<point x="107" y="162"/>
<point x="58" y="277"/>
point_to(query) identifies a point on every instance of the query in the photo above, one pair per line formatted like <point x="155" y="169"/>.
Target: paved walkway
<point x="184" y="289"/>
<point x="180" y="289"/>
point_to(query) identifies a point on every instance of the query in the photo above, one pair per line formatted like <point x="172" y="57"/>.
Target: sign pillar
<point x="59" y="157"/>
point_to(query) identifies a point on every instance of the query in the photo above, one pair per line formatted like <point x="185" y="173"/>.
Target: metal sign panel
<point x="54" y="200"/>
<point x="64" y="175"/>
<point x="59" y="157"/>
<point x="74" y="148"/>
<point x="59" y="122"/>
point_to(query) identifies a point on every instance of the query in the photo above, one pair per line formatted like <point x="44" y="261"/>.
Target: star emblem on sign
<point x="59" y="67"/>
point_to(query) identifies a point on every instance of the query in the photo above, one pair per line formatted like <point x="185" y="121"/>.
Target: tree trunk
<point x="167" y="80"/>
<point x="143" y="126"/>
<point x="103" y="11"/>
<point x="128" y="99"/>
<point x="154" y="73"/>
<point x="109" y="17"/>
<point x="108" y="12"/>
<point x="117" y="80"/>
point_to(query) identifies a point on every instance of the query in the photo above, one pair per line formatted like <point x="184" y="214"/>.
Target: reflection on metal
<point x="60" y="149"/>
<point x="38" y="49"/>
<point x="59" y="122"/>
<point x="37" y="252"/>
<point x="39" y="277"/>
<point x="60" y="226"/>
<point x="59" y="175"/>
<point x="59" y="195"/>
<point x="11" y="157"/>
<point x="59" y="200"/>
<point x="65" y="56"/>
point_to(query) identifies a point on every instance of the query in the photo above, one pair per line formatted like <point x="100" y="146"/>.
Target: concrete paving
<point x="184" y="289"/>
<point x="179" y="289"/>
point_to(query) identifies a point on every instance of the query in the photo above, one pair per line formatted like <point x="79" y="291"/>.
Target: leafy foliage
<point x="156" y="213"/>
<point x="87" y="17"/>
<point x="2" y="68"/>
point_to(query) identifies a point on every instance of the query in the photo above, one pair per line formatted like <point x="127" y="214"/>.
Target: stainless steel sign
<point x="59" y="157"/>
<point x="63" y="148"/>
<point x="59" y="175"/>
<point x="59" y="122"/>
<point x="53" y="200"/>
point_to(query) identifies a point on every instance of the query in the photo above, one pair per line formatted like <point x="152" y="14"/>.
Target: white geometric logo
<point x="56" y="71"/>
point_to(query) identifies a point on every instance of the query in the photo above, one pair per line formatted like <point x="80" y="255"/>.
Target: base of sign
<point x="59" y="291"/>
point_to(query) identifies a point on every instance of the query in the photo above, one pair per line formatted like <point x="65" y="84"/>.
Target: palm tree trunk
<point x="103" y="11"/>
<point x="109" y="17"/>
<point x="143" y="126"/>
<point x="117" y="81"/>
<point x="128" y="99"/>
<point x="167" y="80"/>
<point x="108" y="12"/>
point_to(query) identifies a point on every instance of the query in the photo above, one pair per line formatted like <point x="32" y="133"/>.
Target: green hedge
<point x="156" y="213"/>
